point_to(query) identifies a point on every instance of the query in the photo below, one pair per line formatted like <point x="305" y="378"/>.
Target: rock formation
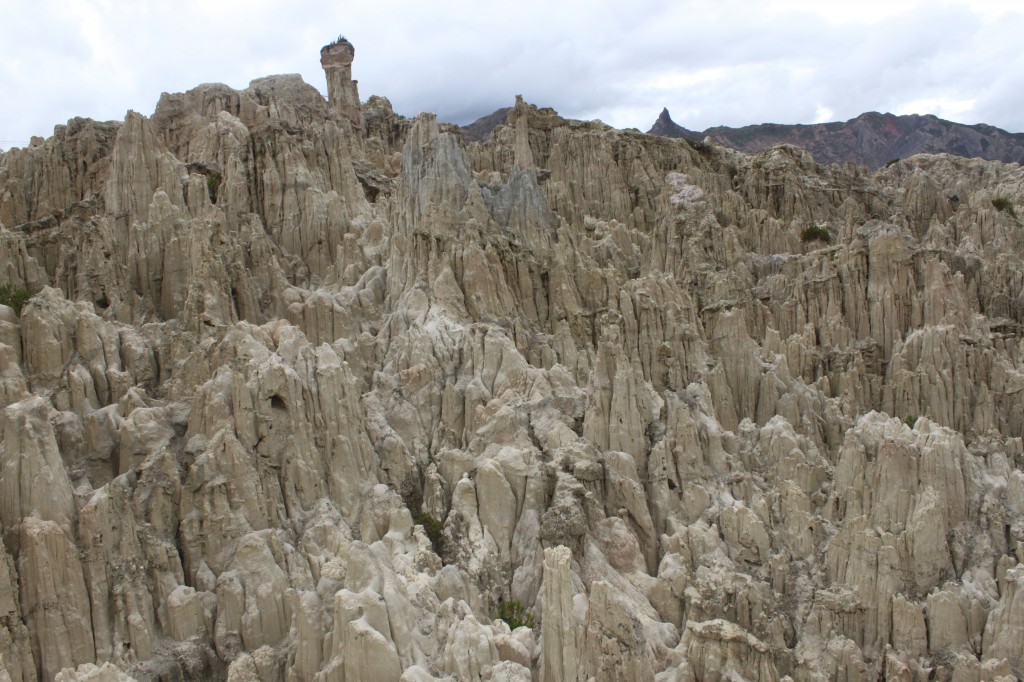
<point x="342" y="92"/>
<point x="309" y="391"/>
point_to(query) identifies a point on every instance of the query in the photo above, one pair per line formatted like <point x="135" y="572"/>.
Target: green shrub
<point x="815" y="233"/>
<point x="212" y="185"/>
<point x="513" y="613"/>
<point x="434" y="530"/>
<point x="700" y="146"/>
<point x="1004" y="205"/>
<point x="14" y="297"/>
<point x="910" y="420"/>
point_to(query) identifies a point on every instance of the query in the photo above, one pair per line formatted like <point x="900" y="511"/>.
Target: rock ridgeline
<point x="871" y="139"/>
<point x="309" y="391"/>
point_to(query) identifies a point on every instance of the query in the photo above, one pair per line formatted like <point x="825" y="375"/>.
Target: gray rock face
<point x="308" y="391"/>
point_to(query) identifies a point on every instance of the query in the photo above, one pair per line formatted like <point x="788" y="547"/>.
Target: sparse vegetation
<point x="910" y="420"/>
<point x="513" y="613"/>
<point x="1004" y="205"/>
<point x="213" y="184"/>
<point x="434" y="530"/>
<point x="815" y="233"/>
<point x="700" y="146"/>
<point x="14" y="298"/>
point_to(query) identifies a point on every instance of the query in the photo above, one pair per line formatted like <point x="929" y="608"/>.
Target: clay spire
<point x="342" y="92"/>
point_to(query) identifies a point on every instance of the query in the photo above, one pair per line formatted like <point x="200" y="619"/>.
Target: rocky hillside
<point x="871" y="139"/>
<point x="481" y="129"/>
<point x="308" y="391"/>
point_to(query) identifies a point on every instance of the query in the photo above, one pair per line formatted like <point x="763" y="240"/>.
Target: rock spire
<point x="342" y="92"/>
<point x="299" y="399"/>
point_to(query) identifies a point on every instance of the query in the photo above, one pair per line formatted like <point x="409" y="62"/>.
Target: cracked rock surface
<point x="310" y="391"/>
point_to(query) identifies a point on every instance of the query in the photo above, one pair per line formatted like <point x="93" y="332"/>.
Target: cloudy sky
<point x="711" y="62"/>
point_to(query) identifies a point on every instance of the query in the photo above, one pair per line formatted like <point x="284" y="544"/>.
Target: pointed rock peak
<point x="521" y="110"/>
<point x="669" y="128"/>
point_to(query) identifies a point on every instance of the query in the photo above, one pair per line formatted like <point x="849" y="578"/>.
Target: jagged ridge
<point x="268" y="332"/>
<point x="871" y="139"/>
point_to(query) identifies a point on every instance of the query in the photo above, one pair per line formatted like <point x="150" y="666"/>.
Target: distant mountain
<point x="480" y="129"/>
<point x="871" y="139"/>
<point x="378" y="399"/>
<point x="666" y="127"/>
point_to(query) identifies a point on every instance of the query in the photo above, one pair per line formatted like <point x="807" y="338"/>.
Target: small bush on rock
<point x="513" y="613"/>
<point x="815" y="233"/>
<point x="700" y="146"/>
<point x="1004" y="205"/>
<point x="14" y="298"/>
<point x="434" y="530"/>
<point x="213" y="185"/>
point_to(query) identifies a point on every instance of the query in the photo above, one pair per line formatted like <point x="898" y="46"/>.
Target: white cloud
<point x="672" y="80"/>
<point x="844" y="13"/>
<point x="823" y="115"/>
<point x="710" y="62"/>
<point x="951" y="109"/>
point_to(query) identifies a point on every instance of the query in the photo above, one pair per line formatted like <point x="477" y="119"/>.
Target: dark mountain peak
<point x="872" y="138"/>
<point x="666" y="127"/>
<point x="481" y="129"/>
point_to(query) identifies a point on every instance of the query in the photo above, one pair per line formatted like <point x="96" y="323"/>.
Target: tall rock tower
<point x="342" y="92"/>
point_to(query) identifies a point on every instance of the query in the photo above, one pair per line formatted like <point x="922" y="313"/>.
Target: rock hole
<point x="102" y="302"/>
<point x="277" y="403"/>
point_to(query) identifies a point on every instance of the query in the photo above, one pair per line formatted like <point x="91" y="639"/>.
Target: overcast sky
<point x="711" y="62"/>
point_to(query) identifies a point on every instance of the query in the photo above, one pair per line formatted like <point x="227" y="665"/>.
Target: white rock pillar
<point x="559" y="657"/>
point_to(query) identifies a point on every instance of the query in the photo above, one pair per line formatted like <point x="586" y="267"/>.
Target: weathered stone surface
<point x="559" y="628"/>
<point x="54" y="600"/>
<point x="33" y="480"/>
<point x="88" y="672"/>
<point x="307" y="391"/>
